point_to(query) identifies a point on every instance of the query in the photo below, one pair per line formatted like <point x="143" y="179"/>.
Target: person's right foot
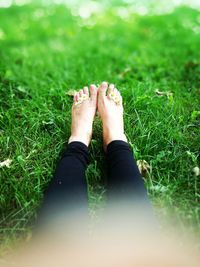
<point x="110" y="109"/>
<point x="83" y="112"/>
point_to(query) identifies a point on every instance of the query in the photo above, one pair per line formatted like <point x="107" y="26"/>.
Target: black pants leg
<point x="126" y="192"/>
<point x="124" y="178"/>
<point x="68" y="189"/>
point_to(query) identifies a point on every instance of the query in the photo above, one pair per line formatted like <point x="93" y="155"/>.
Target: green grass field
<point x="46" y="50"/>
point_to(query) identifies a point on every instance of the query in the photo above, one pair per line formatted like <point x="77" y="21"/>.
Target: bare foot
<point x="83" y="112"/>
<point x="110" y="109"/>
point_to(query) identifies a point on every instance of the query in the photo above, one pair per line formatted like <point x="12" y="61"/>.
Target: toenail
<point x="92" y="86"/>
<point x="104" y="84"/>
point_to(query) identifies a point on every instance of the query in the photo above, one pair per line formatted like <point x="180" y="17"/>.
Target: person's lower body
<point x="68" y="189"/>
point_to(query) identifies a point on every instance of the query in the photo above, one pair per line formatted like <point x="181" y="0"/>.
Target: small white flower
<point x="112" y="95"/>
<point x="85" y="97"/>
<point x="81" y="99"/>
<point x="5" y="163"/>
<point x="116" y="98"/>
<point x="196" y="171"/>
<point x="159" y="188"/>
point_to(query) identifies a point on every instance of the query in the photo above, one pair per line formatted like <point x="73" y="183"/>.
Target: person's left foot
<point x="83" y="112"/>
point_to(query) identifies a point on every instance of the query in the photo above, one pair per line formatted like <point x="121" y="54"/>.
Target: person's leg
<point x="124" y="179"/>
<point x="68" y="189"/>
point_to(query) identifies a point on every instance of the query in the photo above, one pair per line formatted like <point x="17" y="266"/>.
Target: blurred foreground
<point x="125" y="236"/>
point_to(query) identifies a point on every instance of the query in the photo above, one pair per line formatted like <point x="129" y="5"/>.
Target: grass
<point x="44" y="52"/>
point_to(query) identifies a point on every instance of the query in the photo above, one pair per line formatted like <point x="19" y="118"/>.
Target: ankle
<point x="109" y="136"/>
<point x="85" y="139"/>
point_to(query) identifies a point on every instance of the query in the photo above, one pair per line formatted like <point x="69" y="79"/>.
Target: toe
<point x="81" y="93"/>
<point x="116" y="92"/>
<point x="76" y="97"/>
<point x="111" y="88"/>
<point x="85" y="90"/>
<point x="93" y="92"/>
<point x="103" y="88"/>
<point x="118" y="97"/>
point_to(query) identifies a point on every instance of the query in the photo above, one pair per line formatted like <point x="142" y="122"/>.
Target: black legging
<point x="68" y="189"/>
